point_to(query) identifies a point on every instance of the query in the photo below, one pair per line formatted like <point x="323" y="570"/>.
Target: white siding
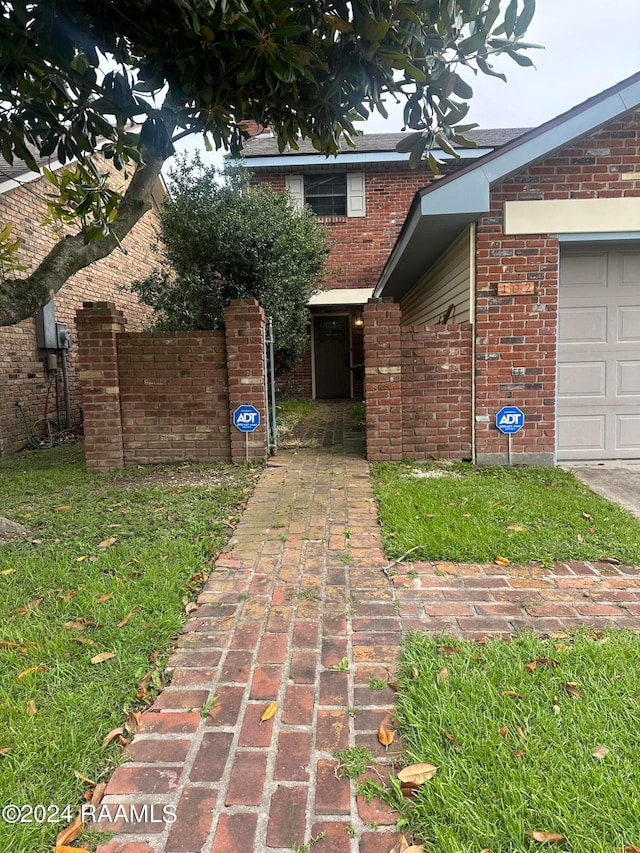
<point x="447" y="281"/>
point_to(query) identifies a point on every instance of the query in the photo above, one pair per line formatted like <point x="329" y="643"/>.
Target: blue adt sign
<point x="510" y="420"/>
<point x="246" y="418"/>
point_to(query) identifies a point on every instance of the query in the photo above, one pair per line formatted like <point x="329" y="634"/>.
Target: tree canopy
<point x="136" y="75"/>
<point x="226" y="240"/>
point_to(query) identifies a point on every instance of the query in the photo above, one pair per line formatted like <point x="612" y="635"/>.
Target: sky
<point x="589" y="45"/>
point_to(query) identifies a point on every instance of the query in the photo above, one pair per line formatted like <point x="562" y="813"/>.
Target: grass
<point x="290" y="412"/>
<point x="509" y="765"/>
<point x="470" y="514"/>
<point x="158" y="538"/>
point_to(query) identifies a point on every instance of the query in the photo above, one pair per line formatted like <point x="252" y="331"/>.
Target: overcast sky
<point x="589" y="45"/>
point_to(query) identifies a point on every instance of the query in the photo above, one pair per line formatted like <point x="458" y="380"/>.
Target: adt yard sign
<point x="510" y="420"/>
<point x="246" y="418"/>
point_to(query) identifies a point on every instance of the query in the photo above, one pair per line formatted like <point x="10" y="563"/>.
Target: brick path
<point x="303" y="586"/>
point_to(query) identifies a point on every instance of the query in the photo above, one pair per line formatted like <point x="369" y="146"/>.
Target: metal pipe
<point x="67" y="394"/>
<point x="272" y="371"/>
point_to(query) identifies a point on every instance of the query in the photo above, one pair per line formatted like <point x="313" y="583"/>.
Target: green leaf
<point x="510" y="17"/>
<point x="484" y="66"/>
<point x="525" y="18"/>
<point x="461" y="88"/>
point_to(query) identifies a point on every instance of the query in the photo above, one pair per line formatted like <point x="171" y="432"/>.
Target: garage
<point x="599" y="353"/>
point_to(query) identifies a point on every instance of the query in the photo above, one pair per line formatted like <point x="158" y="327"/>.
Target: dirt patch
<point x="172" y="478"/>
<point x="10" y="531"/>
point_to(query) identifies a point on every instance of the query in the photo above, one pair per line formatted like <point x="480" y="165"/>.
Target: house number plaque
<point x="515" y="288"/>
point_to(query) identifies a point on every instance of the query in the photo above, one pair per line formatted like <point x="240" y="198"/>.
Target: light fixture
<point x="358" y="319"/>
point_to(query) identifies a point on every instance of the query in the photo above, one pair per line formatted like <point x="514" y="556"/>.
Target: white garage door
<point x="599" y="354"/>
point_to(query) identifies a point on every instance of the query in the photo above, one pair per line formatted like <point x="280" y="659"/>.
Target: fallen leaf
<point x="548" y="837"/>
<point x="417" y="773"/>
<point x="83" y="778"/>
<point x="27" y="672"/>
<point x="62" y="508"/>
<point x="559" y="635"/>
<point x="6" y="750"/>
<point x="532" y="664"/>
<point x="587" y="516"/>
<point x="103" y="656"/>
<point x="98" y="793"/>
<point x="400" y="846"/>
<point x="518" y="528"/>
<point x="84" y="640"/>
<point x="520" y="731"/>
<point x="385" y="735"/>
<point x="7" y="644"/>
<point x="416" y="673"/>
<point x="105" y="597"/>
<point x="632" y="848"/>
<point x="485" y="850"/>
<point x="28" y="606"/>
<point x="113" y="734"/>
<point x="123" y="741"/>
<point x="69" y="833"/>
<point x="572" y="689"/>
<point x="449" y="650"/>
<point x="501" y="561"/>
<point x="68" y="596"/>
<point x="107" y="543"/>
<point x="124" y="621"/>
<point x="133" y="721"/>
<point x="601" y="751"/>
<point x="556" y="709"/>
<point x="519" y="753"/>
<point x="503" y="731"/>
<point x="454" y="743"/>
<point x="443" y="676"/>
<point x="269" y="712"/>
<point x="7" y="571"/>
<point x="190" y="608"/>
<point x="67" y="849"/>
<point x="75" y="625"/>
<point x="32" y="710"/>
<point x="415" y="848"/>
<point x="512" y="693"/>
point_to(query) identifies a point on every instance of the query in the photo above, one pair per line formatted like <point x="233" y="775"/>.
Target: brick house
<point x="362" y="195"/>
<point x="26" y="375"/>
<point x="516" y="281"/>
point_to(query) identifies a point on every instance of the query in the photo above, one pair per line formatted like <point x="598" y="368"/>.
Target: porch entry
<point x="332" y="356"/>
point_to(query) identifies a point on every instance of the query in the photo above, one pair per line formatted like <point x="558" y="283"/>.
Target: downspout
<point x="472" y="315"/>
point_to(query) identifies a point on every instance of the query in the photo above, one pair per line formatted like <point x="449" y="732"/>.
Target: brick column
<point x="383" y="379"/>
<point x="97" y="325"/>
<point x="244" y="324"/>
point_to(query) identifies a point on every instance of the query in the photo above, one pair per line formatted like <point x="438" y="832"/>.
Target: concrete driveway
<point x="617" y="481"/>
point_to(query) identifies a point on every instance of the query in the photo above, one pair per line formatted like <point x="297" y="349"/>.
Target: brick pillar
<point x="383" y="379"/>
<point x="244" y="324"/>
<point x="97" y="325"/>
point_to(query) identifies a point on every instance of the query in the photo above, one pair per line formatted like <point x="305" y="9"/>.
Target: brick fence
<point x="157" y="397"/>
<point x="418" y="387"/>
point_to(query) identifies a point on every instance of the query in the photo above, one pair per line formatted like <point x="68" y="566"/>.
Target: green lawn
<point x="514" y="744"/>
<point x="474" y="514"/>
<point x="119" y="554"/>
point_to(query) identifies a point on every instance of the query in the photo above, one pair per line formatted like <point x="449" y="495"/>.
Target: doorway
<point x="332" y="356"/>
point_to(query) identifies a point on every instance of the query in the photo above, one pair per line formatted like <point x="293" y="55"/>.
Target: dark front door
<point x="332" y="360"/>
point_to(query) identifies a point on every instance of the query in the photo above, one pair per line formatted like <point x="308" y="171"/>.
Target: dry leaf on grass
<point x="385" y="735"/>
<point x="601" y="751"/>
<point x="83" y="778"/>
<point x="512" y="694"/>
<point x="113" y="734"/>
<point x="501" y="561"/>
<point x="85" y="640"/>
<point x="105" y="597"/>
<point x="190" y="608"/>
<point x="546" y="837"/>
<point x="443" y="676"/>
<point x="520" y="731"/>
<point x="75" y="625"/>
<point x="132" y="722"/>
<point x="449" y="650"/>
<point x="67" y="849"/>
<point x="417" y="773"/>
<point x="26" y="672"/>
<point x="103" y="656"/>
<point x="7" y="644"/>
<point x="124" y="621"/>
<point x="5" y="750"/>
<point x="400" y="846"/>
<point x="517" y="527"/>
<point x="632" y="848"/>
<point x="7" y="571"/>
<point x="32" y="709"/>
<point x="107" y="543"/>
<point x="269" y="712"/>
<point x="98" y="793"/>
<point x="503" y="731"/>
<point x="572" y="689"/>
<point x="69" y="833"/>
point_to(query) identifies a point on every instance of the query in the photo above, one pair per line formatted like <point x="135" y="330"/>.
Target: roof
<point x="441" y="211"/>
<point x="267" y="146"/>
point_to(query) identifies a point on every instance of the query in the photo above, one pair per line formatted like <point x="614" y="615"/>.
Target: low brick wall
<point x="418" y="387"/>
<point x="157" y="397"/>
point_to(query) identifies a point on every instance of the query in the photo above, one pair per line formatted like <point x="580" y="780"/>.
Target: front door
<point x="332" y="356"/>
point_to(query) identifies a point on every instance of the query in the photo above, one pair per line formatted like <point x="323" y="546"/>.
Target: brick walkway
<point x="304" y="586"/>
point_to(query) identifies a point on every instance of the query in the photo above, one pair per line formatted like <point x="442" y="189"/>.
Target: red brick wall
<point x="157" y="397"/>
<point x="173" y="397"/>
<point x="297" y="382"/>
<point x="517" y="333"/>
<point x="22" y="373"/>
<point x="436" y="391"/>
<point x="361" y="245"/>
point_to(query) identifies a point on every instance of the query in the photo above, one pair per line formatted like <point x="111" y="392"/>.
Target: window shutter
<point x="295" y="185"/>
<point x="355" y="194"/>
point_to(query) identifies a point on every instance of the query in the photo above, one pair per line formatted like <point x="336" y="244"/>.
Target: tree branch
<point x="20" y="298"/>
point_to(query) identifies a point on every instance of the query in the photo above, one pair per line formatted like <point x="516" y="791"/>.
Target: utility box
<point x="46" y="332"/>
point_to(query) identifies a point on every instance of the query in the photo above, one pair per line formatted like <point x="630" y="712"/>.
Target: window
<point x="326" y="194"/>
<point x="329" y="193"/>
